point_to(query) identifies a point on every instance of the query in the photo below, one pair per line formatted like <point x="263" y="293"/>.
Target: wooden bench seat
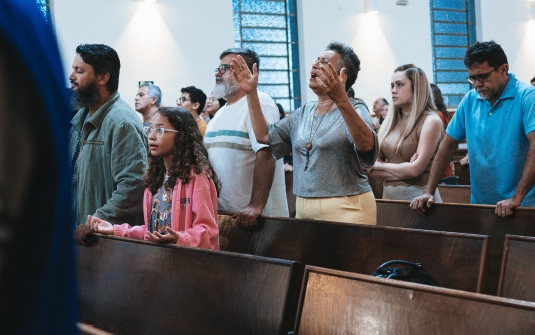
<point x="470" y="219"/>
<point x="518" y="268"/>
<point x="336" y="302"/>
<point x="137" y="287"/>
<point x="457" y="194"/>
<point x="455" y="260"/>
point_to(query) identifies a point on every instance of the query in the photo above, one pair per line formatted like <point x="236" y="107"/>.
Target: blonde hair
<point x="421" y="105"/>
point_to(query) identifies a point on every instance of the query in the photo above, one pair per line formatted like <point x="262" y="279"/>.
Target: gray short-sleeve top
<point x="335" y="166"/>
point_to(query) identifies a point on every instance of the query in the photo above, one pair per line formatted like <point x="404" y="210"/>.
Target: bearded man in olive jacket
<point x="108" y="147"/>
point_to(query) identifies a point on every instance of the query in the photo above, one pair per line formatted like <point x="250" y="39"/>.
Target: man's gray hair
<point x="154" y="91"/>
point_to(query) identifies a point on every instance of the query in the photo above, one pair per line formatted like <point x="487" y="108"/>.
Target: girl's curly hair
<point x="189" y="151"/>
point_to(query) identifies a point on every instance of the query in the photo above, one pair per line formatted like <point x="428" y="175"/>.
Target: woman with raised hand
<point x="180" y="201"/>
<point x="331" y="140"/>
<point x="409" y="137"/>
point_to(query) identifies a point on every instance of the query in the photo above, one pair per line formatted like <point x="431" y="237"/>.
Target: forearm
<point x="358" y="129"/>
<point x="401" y="171"/>
<point x="528" y="176"/>
<point x="383" y="175"/>
<point x="264" y="170"/>
<point x="258" y="120"/>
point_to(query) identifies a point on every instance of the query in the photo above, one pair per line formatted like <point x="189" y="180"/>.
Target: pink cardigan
<point x="194" y="202"/>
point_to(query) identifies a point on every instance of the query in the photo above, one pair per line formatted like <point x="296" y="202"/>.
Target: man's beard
<point x="225" y="89"/>
<point x="85" y="96"/>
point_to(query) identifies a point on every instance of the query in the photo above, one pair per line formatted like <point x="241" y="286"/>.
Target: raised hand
<point x="248" y="81"/>
<point x="332" y="84"/>
<point x="170" y="237"/>
<point x="100" y="226"/>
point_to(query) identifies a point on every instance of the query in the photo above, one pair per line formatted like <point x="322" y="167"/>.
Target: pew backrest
<point x="518" y="268"/>
<point x="470" y="219"/>
<point x="455" y="260"/>
<point x="458" y="194"/>
<point x="336" y="302"/>
<point x="137" y="287"/>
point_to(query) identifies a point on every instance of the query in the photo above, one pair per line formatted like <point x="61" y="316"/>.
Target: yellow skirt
<point x="360" y="208"/>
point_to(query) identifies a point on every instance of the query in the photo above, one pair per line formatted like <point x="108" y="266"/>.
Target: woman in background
<point x="409" y="136"/>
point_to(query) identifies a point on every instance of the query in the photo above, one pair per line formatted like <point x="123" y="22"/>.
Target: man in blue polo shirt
<point x="497" y="118"/>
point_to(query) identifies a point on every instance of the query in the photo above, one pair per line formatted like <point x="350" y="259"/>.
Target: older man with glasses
<point x="252" y="182"/>
<point x="497" y="118"/>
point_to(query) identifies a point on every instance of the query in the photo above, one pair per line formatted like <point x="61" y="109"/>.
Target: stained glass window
<point x="453" y="29"/>
<point x="44" y="7"/>
<point x="269" y="27"/>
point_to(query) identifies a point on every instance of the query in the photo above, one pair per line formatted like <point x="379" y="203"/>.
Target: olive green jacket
<point x="108" y="177"/>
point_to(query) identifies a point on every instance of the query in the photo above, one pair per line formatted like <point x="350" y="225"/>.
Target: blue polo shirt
<point x="497" y="140"/>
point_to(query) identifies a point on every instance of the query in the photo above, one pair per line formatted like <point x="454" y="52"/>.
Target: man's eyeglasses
<point x="482" y="78"/>
<point x="181" y="100"/>
<point x="222" y="68"/>
<point x="158" y="132"/>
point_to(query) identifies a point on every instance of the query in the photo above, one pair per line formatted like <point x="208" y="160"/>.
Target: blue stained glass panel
<point x="450" y="28"/>
<point x="450" y="52"/>
<point x="441" y="15"/>
<point x="454" y="88"/>
<point x="451" y="77"/>
<point x="267" y="49"/>
<point x="273" y="63"/>
<point x="455" y="100"/>
<point x="449" y="4"/>
<point x="275" y="91"/>
<point x="285" y="103"/>
<point x="450" y="64"/>
<point x="269" y="21"/>
<point x="237" y="27"/>
<point x="273" y="77"/>
<point x="256" y="6"/>
<point x="259" y="34"/>
<point x="441" y="40"/>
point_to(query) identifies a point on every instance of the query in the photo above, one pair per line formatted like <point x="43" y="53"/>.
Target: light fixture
<point x="371" y="6"/>
<point x="402" y="2"/>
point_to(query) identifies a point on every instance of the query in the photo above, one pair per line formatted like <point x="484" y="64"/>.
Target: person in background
<point x="253" y="181"/>
<point x="214" y="104"/>
<point x="331" y="140"/>
<point x="442" y="113"/>
<point x="497" y="118"/>
<point x="108" y="148"/>
<point x="204" y="114"/>
<point x="409" y="137"/>
<point x="180" y="201"/>
<point x="381" y="105"/>
<point x="193" y="100"/>
<point x="148" y="99"/>
<point x="533" y="81"/>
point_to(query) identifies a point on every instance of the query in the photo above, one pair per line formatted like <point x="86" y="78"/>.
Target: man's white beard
<point x="223" y="89"/>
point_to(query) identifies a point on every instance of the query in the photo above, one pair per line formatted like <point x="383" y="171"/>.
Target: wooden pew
<point x="518" y="268"/>
<point x="455" y="260"/>
<point x="336" y="302"/>
<point x="470" y="219"/>
<point x="137" y="287"/>
<point x="458" y="194"/>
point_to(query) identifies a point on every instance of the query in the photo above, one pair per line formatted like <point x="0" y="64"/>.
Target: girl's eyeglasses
<point x="158" y="132"/>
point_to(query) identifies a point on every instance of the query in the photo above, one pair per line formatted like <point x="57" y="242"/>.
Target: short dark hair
<point x="350" y="61"/>
<point x="350" y="93"/>
<point x="533" y="79"/>
<point x="248" y="55"/>
<point x="195" y="95"/>
<point x="482" y="52"/>
<point x="103" y="59"/>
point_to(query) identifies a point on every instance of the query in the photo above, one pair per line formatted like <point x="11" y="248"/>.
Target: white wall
<point x="174" y="43"/>
<point x="508" y="23"/>
<point x="177" y="43"/>
<point x="397" y="35"/>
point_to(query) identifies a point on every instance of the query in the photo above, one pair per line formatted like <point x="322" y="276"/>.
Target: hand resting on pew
<point x="104" y="227"/>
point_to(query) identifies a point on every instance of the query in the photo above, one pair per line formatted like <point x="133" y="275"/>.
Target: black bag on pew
<point x="411" y="272"/>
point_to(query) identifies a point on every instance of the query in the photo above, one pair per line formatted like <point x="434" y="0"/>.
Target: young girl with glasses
<point x="180" y="201"/>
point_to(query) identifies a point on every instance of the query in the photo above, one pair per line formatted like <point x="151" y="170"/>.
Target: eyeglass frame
<point x="472" y="79"/>
<point x="182" y="100"/>
<point x="225" y="67"/>
<point x="148" y="130"/>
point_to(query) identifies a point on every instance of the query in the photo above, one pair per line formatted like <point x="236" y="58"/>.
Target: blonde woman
<point x="409" y="136"/>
